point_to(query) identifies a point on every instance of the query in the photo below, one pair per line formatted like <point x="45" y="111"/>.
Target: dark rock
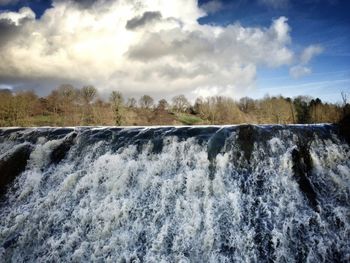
<point x="246" y="140"/>
<point x="58" y="133"/>
<point x="344" y="128"/>
<point x="60" y="152"/>
<point x="10" y="241"/>
<point x="302" y="168"/>
<point x="157" y="146"/>
<point x="12" y="165"/>
<point x="215" y="145"/>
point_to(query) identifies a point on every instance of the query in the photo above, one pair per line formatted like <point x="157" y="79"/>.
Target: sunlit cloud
<point x="299" y="71"/>
<point x="155" y="47"/>
<point x="310" y="52"/>
<point x="302" y="69"/>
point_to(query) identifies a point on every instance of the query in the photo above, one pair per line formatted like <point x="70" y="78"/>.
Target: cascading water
<point x="190" y="194"/>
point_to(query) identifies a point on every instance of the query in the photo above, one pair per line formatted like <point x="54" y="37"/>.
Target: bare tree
<point x="162" y="105"/>
<point x="198" y="106"/>
<point x="67" y="98"/>
<point x="146" y="102"/>
<point x="344" y="97"/>
<point x="131" y="103"/>
<point x="6" y="97"/>
<point x="117" y="102"/>
<point x="246" y="104"/>
<point x="88" y="93"/>
<point x="291" y="108"/>
<point x="67" y="93"/>
<point x="67" y="106"/>
<point x="180" y="103"/>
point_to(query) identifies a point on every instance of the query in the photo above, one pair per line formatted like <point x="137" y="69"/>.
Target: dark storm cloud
<point x="80" y="3"/>
<point x="155" y="46"/>
<point x="8" y="30"/>
<point x="85" y="3"/>
<point x="140" y="21"/>
<point x="41" y="85"/>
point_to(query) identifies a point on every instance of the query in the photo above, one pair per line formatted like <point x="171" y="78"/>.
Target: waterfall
<point x="268" y="193"/>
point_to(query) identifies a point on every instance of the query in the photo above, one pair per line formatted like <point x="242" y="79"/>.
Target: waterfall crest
<point x="170" y="194"/>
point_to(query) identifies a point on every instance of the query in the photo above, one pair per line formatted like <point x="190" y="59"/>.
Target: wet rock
<point x="302" y="167"/>
<point x="12" y="165"/>
<point x="157" y="146"/>
<point x="344" y="128"/>
<point x="246" y="140"/>
<point x="11" y="241"/>
<point x="248" y="135"/>
<point x="215" y="145"/>
<point x="60" y="152"/>
<point x="7" y="132"/>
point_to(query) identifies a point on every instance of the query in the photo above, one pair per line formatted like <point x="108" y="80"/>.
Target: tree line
<point x="69" y="106"/>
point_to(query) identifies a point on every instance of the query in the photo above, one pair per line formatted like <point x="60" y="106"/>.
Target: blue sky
<point x="324" y="23"/>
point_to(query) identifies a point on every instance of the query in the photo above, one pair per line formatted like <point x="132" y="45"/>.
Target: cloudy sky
<point x="166" y="47"/>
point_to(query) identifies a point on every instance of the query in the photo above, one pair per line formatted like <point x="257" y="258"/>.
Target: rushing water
<point x="201" y="194"/>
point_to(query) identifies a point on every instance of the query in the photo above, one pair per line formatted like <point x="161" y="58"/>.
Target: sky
<point x="168" y="47"/>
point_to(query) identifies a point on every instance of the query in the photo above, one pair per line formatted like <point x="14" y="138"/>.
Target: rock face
<point x="12" y="164"/>
<point x="245" y="193"/>
<point x="215" y="146"/>
<point x="302" y="167"/>
<point x="344" y="127"/>
<point x="62" y="149"/>
<point x="246" y="139"/>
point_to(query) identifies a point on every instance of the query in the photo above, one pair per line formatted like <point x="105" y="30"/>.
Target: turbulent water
<point x="167" y="194"/>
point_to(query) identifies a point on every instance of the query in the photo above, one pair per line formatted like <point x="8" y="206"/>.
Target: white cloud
<point x="167" y="52"/>
<point x="16" y="18"/>
<point x="310" y="52"/>
<point x="212" y="6"/>
<point x="302" y="69"/>
<point x="299" y="71"/>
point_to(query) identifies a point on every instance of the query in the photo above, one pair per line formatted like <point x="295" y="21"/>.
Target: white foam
<point x="102" y="204"/>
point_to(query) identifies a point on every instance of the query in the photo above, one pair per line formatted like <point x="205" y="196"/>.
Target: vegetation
<point x="116" y="100"/>
<point x="69" y="106"/>
<point x="344" y="123"/>
<point x="189" y="119"/>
